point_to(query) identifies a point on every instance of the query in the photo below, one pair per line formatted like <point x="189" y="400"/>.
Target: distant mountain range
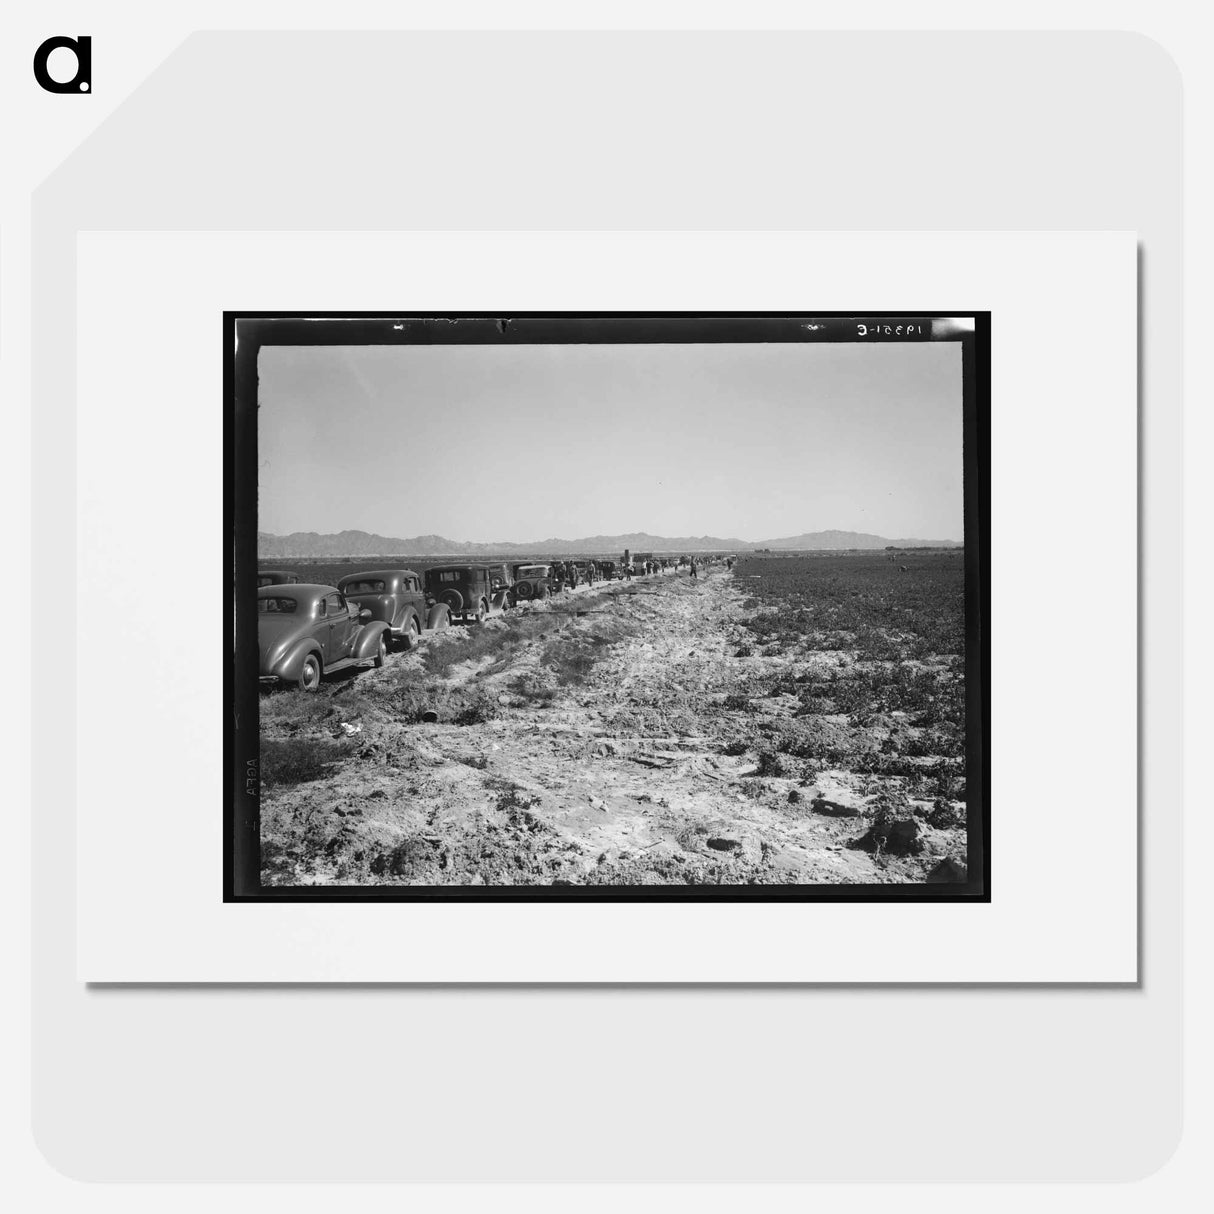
<point x="848" y="539"/>
<point x="361" y="543"/>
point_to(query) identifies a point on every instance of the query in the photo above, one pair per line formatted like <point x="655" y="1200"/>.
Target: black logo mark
<point x="82" y="48"/>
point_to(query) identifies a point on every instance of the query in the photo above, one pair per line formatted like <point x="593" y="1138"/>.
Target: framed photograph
<point x="469" y="768"/>
<point x="423" y="876"/>
<point x="616" y="606"/>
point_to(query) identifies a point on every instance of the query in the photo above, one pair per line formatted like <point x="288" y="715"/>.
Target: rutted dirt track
<point x="632" y="770"/>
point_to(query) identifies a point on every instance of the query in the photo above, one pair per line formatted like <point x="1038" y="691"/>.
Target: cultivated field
<point x="799" y="720"/>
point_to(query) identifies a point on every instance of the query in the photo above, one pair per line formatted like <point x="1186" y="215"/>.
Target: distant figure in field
<point x="694" y="574"/>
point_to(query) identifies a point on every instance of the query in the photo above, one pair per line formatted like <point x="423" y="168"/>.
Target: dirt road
<point x="620" y="745"/>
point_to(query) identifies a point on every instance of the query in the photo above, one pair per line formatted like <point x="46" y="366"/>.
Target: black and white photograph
<point x="608" y="606"/>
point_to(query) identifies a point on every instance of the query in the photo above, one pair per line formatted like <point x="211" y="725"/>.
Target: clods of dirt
<point x="903" y="837"/>
<point x="949" y="871"/>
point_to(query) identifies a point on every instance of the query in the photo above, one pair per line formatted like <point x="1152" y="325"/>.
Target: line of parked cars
<point x="306" y="630"/>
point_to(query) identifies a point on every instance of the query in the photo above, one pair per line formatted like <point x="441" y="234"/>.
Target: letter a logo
<point x="82" y="81"/>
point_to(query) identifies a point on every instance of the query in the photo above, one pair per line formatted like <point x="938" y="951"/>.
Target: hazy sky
<point x="521" y="443"/>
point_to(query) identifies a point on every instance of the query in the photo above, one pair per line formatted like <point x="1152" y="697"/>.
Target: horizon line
<point x="553" y="539"/>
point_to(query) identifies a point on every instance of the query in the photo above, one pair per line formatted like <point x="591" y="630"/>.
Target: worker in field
<point x="694" y="574"/>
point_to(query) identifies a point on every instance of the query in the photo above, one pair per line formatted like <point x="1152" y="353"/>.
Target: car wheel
<point x="524" y="590"/>
<point x="309" y="674"/>
<point x="413" y="634"/>
<point x="381" y="651"/>
<point x="482" y="610"/>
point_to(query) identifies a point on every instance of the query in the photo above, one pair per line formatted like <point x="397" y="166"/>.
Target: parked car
<point x="276" y="577"/>
<point x="609" y="571"/>
<point x="503" y="585"/>
<point x="532" y="582"/>
<point x="467" y="590"/>
<point x="305" y="631"/>
<point x="397" y="597"/>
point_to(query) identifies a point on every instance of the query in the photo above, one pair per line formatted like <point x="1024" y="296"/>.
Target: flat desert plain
<point x="794" y="720"/>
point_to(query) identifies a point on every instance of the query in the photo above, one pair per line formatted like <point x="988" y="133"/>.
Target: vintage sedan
<point x="277" y="577"/>
<point x="396" y="596"/>
<point x="532" y="582"/>
<point x="503" y="586"/>
<point x="469" y="591"/>
<point x="305" y="631"/>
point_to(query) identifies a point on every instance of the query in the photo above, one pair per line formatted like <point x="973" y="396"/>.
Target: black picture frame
<point x="245" y="333"/>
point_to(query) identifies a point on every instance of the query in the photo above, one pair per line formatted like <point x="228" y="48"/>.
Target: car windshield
<point x="533" y="571"/>
<point x="365" y="587"/>
<point x="277" y="606"/>
<point x="447" y="575"/>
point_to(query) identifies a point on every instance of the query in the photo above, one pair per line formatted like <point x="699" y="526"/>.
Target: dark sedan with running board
<point x="470" y="592"/>
<point x="396" y="597"/>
